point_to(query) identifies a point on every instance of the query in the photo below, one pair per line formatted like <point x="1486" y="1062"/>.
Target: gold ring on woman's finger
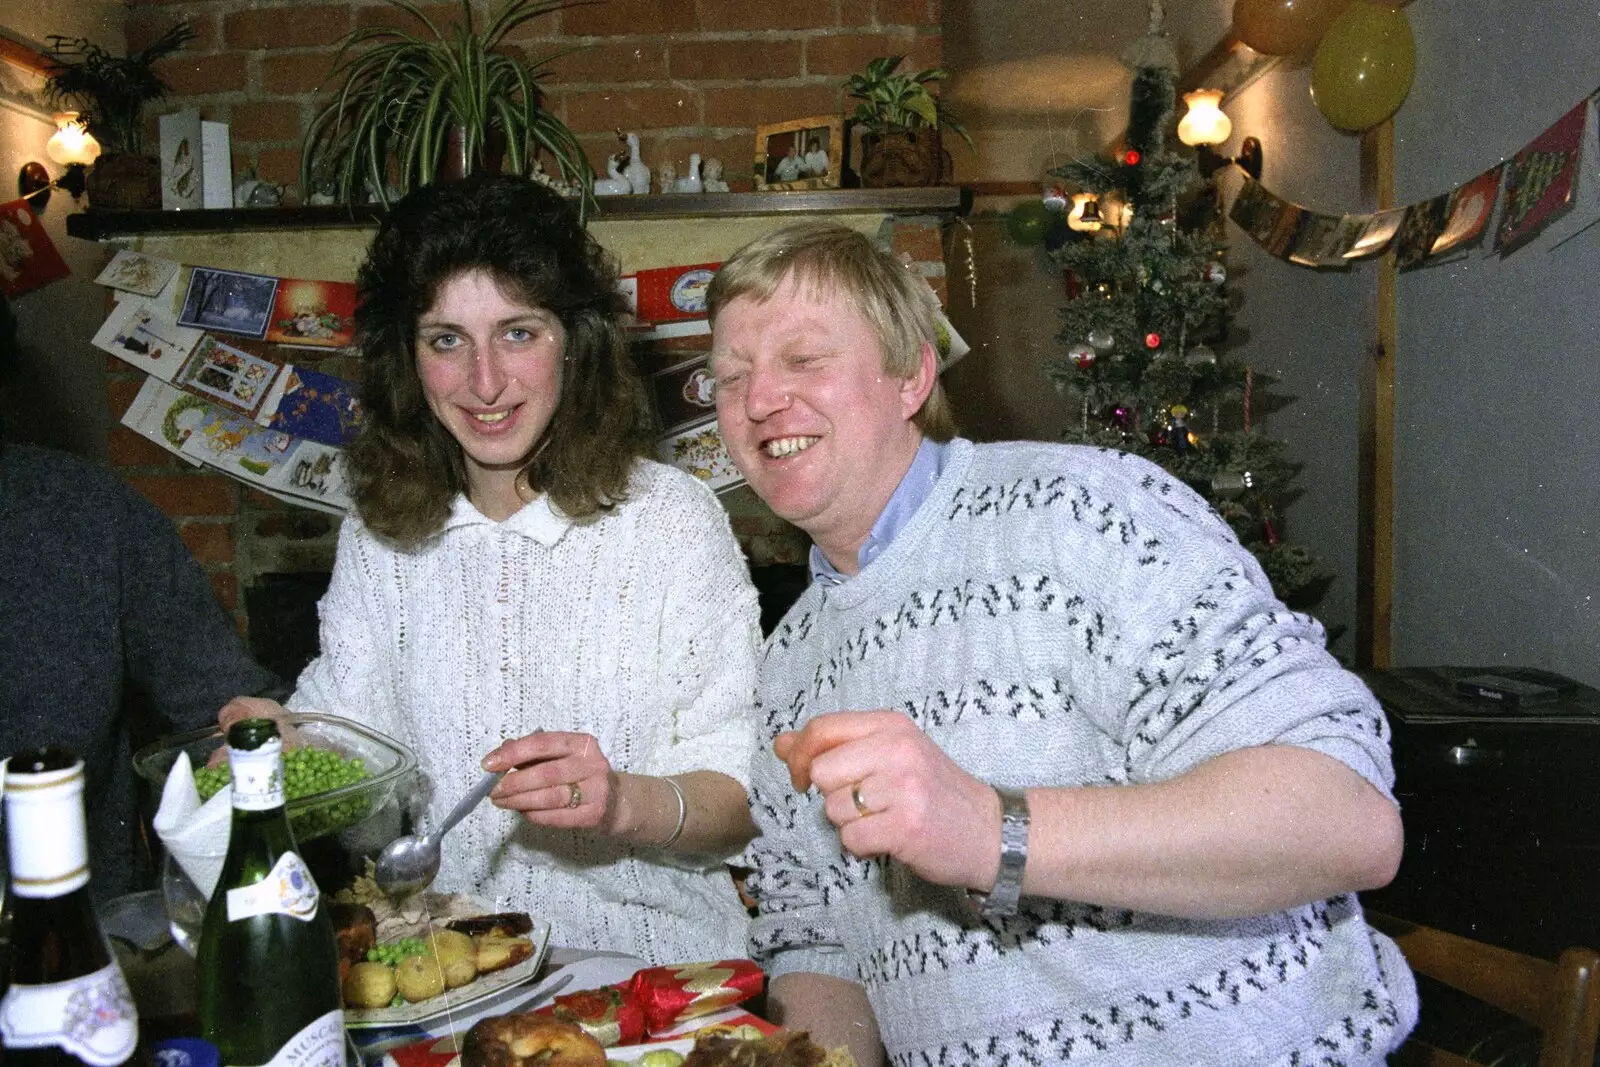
<point x="858" y="801"/>
<point x="574" y="794"/>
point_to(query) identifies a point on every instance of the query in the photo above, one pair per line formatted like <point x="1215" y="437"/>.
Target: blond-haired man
<point x="1058" y="775"/>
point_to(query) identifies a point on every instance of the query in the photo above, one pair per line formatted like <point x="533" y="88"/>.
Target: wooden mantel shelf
<point x="115" y="225"/>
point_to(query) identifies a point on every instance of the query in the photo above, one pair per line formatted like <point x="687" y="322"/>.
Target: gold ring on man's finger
<point x="574" y="794"/>
<point x="858" y="801"/>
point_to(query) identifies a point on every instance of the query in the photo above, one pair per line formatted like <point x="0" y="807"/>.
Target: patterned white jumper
<point x="1062" y="616"/>
<point x="639" y="627"/>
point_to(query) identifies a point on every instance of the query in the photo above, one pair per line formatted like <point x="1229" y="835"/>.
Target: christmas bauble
<point x="1102" y="340"/>
<point x="1230" y="485"/>
<point x="1082" y="356"/>
<point x="1028" y="222"/>
<point x="1152" y="340"/>
<point x="1131" y="157"/>
<point x="1214" y="272"/>
<point x="1122" y="417"/>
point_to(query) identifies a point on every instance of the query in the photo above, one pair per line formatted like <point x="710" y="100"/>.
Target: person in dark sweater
<point x="109" y="632"/>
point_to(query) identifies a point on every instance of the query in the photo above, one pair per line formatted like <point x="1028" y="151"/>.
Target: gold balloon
<point x="1282" y="27"/>
<point x="1363" y="68"/>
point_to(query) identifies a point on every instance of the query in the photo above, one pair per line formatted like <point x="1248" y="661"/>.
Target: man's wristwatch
<point x="1001" y="901"/>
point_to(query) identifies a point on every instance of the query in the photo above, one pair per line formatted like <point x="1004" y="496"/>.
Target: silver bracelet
<point x="1001" y="901"/>
<point x="683" y="814"/>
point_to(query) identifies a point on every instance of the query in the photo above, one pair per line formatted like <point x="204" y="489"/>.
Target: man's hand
<point x="240" y="708"/>
<point x="893" y="792"/>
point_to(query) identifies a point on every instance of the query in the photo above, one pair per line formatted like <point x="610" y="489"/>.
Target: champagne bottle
<point x="268" y="967"/>
<point x="67" y="1002"/>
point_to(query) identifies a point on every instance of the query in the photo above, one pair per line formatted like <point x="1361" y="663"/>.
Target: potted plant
<point x="110" y="93"/>
<point x="900" y="122"/>
<point x="414" y="109"/>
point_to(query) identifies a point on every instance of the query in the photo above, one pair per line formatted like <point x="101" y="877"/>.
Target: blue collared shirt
<point x="926" y="466"/>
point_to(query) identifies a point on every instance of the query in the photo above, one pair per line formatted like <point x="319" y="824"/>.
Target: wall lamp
<point x="1204" y="125"/>
<point x="73" y="146"/>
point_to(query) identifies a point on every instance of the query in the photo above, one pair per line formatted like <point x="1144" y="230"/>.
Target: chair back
<point x="1561" y="999"/>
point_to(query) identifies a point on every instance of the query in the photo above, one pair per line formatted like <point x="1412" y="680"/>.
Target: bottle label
<point x="288" y="889"/>
<point x="92" y="1017"/>
<point x="47" y="842"/>
<point x="319" y="1044"/>
<point x="258" y="776"/>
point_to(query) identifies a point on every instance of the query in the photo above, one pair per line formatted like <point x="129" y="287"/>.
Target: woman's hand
<point x="892" y="792"/>
<point x="555" y="779"/>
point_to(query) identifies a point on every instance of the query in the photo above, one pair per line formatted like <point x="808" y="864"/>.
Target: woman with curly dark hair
<point x="521" y="590"/>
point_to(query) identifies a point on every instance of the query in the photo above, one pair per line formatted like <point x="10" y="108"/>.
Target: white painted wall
<point x="57" y="395"/>
<point x="1498" y="379"/>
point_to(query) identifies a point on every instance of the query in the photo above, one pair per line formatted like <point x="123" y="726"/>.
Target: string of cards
<point x="1533" y="190"/>
<point x="215" y="394"/>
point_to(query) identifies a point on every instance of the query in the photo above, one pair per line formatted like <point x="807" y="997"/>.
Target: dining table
<point x="161" y="977"/>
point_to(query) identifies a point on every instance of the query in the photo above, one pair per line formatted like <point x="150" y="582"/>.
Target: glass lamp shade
<point x="1085" y="214"/>
<point x="1204" y="122"/>
<point x="72" y="142"/>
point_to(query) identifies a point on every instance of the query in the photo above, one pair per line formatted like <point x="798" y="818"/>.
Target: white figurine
<point x="616" y="184"/>
<point x="711" y="176"/>
<point x="637" y="173"/>
<point x="669" y="177"/>
<point x="690" y="184"/>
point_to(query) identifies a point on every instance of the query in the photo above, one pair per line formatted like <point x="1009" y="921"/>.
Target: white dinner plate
<point x="631" y="1054"/>
<point x="427" y="1012"/>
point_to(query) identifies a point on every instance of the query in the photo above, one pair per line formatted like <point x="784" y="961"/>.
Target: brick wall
<point x="688" y="75"/>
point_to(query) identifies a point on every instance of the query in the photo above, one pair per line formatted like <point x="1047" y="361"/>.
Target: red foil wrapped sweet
<point x="611" y="1014"/>
<point x="669" y="996"/>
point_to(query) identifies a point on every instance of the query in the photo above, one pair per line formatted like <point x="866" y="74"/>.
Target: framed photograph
<point x="799" y="154"/>
<point x="23" y="70"/>
<point x="229" y="301"/>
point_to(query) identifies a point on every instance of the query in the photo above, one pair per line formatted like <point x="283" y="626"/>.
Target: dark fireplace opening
<point x="281" y="612"/>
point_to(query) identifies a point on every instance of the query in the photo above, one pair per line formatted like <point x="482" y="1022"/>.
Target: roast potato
<point x="419" y="977"/>
<point x="369" y="985"/>
<point x="495" y="952"/>
<point x="457" y="957"/>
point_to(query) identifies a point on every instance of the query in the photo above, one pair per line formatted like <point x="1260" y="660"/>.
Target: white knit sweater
<point x="1059" y="616"/>
<point x="639" y="628"/>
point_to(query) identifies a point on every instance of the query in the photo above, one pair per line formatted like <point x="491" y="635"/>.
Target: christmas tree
<point x="1146" y="324"/>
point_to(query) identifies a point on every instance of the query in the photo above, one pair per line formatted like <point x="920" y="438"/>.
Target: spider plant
<point x="404" y="93"/>
<point x="900" y="103"/>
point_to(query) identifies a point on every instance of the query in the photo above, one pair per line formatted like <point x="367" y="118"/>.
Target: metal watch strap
<point x="1001" y="901"/>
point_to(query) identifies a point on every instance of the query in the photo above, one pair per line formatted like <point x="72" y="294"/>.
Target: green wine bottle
<point x="268" y="968"/>
<point x="66" y="1002"/>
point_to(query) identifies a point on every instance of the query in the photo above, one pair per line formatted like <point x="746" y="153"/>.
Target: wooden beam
<point x="1375" y="520"/>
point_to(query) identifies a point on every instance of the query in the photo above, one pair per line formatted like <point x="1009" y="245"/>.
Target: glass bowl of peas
<point x="346" y="785"/>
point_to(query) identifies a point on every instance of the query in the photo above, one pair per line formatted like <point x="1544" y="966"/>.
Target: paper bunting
<point x="1541" y="184"/>
<point x="1540" y="181"/>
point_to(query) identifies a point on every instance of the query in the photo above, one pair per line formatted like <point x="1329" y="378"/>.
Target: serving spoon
<point x="409" y="864"/>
